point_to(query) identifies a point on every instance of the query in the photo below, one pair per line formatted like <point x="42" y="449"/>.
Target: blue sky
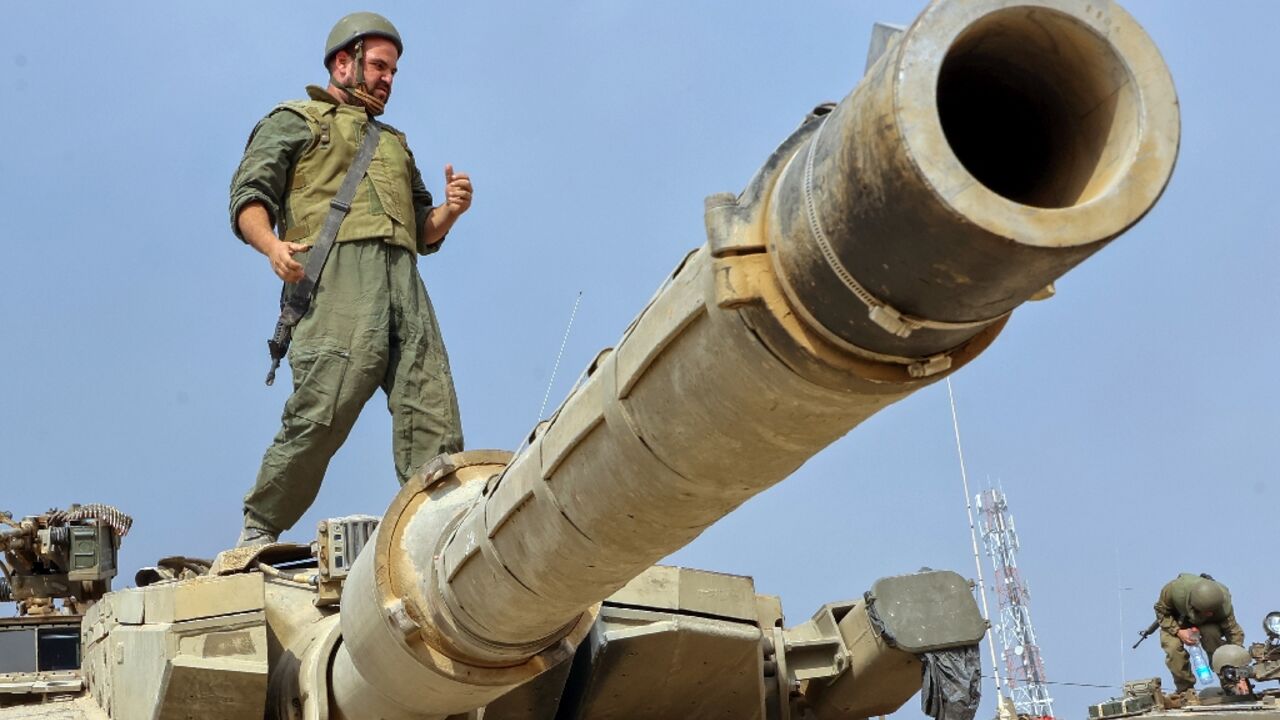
<point x="1131" y="419"/>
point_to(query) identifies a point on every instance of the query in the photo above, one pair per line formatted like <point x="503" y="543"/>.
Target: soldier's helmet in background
<point x="1207" y="598"/>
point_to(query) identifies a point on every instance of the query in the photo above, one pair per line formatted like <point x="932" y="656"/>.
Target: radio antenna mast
<point x="563" y="342"/>
<point x="973" y="538"/>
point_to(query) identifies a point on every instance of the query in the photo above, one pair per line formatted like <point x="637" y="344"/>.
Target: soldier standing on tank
<point x="1191" y="609"/>
<point x="370" y="323"/>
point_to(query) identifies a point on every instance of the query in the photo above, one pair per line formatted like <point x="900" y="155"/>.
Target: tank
<point x="990" y="147"/>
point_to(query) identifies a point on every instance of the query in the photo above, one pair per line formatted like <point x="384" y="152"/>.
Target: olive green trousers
<point x="370" y="325"/>
<point x="1179" y="662"/>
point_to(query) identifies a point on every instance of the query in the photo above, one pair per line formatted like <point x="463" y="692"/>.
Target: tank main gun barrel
<point x="991" y="148"/>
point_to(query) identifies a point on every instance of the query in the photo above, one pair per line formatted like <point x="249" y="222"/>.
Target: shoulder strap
<point x="297" y="107"/>
<point x="311" y="111"/>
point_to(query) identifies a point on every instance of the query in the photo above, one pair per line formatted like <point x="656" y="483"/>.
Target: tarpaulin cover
<point x="952" y="683"/>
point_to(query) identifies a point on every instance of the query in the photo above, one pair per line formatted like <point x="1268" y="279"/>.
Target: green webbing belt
<point x="296" y="299"/>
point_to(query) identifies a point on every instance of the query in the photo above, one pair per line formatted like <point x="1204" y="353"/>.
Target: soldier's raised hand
<point x="457" y="191"/>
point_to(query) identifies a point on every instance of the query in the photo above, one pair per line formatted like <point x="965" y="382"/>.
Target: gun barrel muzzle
<point x="992" y="148"/>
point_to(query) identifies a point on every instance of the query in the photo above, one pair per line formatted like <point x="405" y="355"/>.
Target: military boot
<point x="256" y="536"/>
<point x="1181" y="699"/>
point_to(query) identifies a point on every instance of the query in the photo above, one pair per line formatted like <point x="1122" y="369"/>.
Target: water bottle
<point x="1200" y="663"/>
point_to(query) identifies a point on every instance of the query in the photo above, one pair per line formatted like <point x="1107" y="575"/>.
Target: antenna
<point x="560" y="354"/>
<point x="973" y="537"/>
<point x="1120" y="590"/>
<point x="1120" y="609"/>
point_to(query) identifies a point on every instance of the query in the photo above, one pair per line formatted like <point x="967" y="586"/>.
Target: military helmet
<point x="1206" y="596"/>
<point x="360" y="25"/>
<point x="1230" y="656"/>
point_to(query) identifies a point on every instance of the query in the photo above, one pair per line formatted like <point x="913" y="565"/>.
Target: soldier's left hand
<point x="457" y="191"/>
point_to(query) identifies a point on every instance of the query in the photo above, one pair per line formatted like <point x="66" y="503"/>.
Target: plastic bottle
<point x="1200" y="662"/>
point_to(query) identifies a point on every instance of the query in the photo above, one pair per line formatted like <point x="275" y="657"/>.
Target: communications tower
<point x="1024" y="669"/>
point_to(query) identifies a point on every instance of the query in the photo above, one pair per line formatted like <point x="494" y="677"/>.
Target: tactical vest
<point x="383" y="205"/>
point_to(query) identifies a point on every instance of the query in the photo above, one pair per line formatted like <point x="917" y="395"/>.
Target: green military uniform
<point x="1174" y="612"/>
<point x="371" y="323"/>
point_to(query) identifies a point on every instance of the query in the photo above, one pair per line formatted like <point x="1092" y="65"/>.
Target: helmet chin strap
<point x="359" y="94"/>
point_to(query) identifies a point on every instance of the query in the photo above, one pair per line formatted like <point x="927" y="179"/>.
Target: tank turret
<point x="990" y="147"/>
